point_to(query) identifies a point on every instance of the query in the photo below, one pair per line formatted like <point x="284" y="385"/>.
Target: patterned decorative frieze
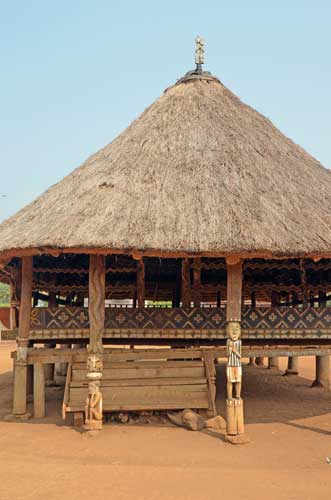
<point x="260" y="322"/>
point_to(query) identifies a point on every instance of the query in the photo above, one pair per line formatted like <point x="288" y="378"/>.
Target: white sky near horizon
<point x="75" y="74"/>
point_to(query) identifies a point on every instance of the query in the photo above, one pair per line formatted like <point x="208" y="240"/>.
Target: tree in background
<point x="4" y="295"/>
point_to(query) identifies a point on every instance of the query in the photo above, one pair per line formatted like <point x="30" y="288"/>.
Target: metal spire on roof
<point x="199" y="53"/>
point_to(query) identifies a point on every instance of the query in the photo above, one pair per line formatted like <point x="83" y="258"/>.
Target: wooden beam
<point x="96" y="306"/>
<point x="186" y="283"/>
<point x="141" y="283"/>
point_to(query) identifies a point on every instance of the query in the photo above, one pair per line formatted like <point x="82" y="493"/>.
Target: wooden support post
<point x="29" y="385"/>
<point x="186" y="283"/>
<point x="292" y="366"/>
<point x="20" y="365"/>
<point x="141" y="283"/>
<point x="322" y="372"/>
<point x="197" y="282"/>
<point x="259" y="361"/>
<point x="49" y="369"/>
<point x="97" y="280"/>
<point x="234" y="403"/>
<point x="273" y="362"/>
<point x="38" y="390"/>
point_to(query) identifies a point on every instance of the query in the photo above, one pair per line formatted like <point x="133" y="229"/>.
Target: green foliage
<point x="4" y="295"/>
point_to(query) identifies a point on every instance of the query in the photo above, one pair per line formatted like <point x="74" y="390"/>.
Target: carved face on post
<point x="94" y="363"/>
<point x="233" y="330"/>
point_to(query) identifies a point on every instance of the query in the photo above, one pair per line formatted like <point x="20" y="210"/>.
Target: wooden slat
<point x="66" y="391"/>
<point x="116" y="354"/>
<point x="142" y="372"/>
<point x="146" y="364"/>
<point x="144" y="382"/>
<point x="143" y="395"/>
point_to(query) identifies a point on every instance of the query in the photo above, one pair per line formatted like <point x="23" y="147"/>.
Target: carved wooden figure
<point x="233" y="369"/>
<point x="93" y="406"/>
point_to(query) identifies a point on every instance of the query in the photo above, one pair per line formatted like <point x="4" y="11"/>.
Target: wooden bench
<point x="154" y="379"/>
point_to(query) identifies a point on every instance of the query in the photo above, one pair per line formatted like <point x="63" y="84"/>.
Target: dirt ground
<point x="289" y="425"/>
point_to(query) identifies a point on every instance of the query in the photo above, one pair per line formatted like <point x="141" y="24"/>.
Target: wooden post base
<point x="273" y="363"/>
<point x="238" y="439"/>
<point x="322" y="379"/>
<point x="234" y="416"/>
<point x="20" y="388"/>
<point x="292" y="366"/>
<point x="92" y="425"/>
<point x="38" y="391"/>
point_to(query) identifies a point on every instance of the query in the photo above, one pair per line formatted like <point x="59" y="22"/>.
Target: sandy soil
<point x="289" y="425"/>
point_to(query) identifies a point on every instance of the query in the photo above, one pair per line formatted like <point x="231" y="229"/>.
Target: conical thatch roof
<point x="198" y="171"/>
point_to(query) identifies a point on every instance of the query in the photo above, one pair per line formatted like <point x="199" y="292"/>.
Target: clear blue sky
<point x="74" y="74"/>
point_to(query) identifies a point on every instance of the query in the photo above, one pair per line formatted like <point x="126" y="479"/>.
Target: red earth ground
<point x="289" y="425"/>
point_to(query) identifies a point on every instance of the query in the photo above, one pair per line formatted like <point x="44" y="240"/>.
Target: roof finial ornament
<point x="199" y="53"/>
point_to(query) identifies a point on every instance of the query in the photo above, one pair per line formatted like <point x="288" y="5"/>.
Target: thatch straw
<point x="198" y="171"/>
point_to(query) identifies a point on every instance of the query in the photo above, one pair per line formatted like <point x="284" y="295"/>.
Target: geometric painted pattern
<point x="288" y="318"/>
<point x="59" y="318"/>
<point x="43" y="318"/>
<point x="167" y="318"/>
<point x="259" y="318"/>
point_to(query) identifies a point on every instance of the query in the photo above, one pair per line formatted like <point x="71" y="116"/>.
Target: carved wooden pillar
<point x="186" y="283"/>
<point x="234" y="403"/>
<point x="197" y="282"/>
<point x="141" y="283"/>
<point x="97" y="281"/>
<point x="20" y="364"/>
<point x="13" y="307"/>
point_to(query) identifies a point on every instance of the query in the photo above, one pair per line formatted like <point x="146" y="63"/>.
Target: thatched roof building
<point x="199" y="172"/>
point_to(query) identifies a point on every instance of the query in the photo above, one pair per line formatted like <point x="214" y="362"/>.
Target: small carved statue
<point x="233" y="369"/>
<point x="93" y="403"/>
